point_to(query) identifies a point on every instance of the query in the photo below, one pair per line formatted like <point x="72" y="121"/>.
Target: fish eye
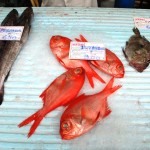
<point x="78" y="71"/>
<point x="119" y="67"/>
<point x="141" y="46"/>
<point x="66" y="125"/>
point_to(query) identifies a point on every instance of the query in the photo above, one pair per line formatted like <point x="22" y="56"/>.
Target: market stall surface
<point x="128" y="126"/>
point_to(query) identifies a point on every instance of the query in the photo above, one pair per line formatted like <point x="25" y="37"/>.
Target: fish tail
<point x="28" y="120"/>
<point x="36" y="117"/>
<point x="35" y="125"/>
<point x="109" y="87"/>
<point x="109" y="84"/>
<point x="108" y="90"/>
<point x="115" y="88"/>
<point x="90" y="74"/>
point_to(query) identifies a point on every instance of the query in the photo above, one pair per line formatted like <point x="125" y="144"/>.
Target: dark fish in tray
<point x="12" y="48"/>
<point x="10" y="20"/>
<point x="137" y="51"/>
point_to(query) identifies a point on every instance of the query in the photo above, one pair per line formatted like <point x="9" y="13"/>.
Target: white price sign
<point x="87" y="51"/>
<point x="143" y="23"/>
<point x="11" y="33"/>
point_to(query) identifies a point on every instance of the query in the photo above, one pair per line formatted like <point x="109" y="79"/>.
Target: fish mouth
<point x="67" y="137"/>
<point x="139" y="67"/>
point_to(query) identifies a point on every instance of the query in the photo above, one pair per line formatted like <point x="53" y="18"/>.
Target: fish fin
<point x="78" y="40"/>
<point x="107" y="109"/>
<point x="115" y="88"/>
<point x="63" y="84"/>
<point x="43" y="95"/>
<point x="94" y="63"/>
<point x="109" y="84"/>
<point x="36" y="117"/>
<point x="28" y="120"/>
<point x="136" y="31"/>
<point x="35" y="125"/>
<point x="61" y="62"/>
<point x="108" y="90"/>
<point x="83" y="39"/>
<point x="90" y="74"/>
<point x="124" y="53"/>
<point x="87" y="114"/>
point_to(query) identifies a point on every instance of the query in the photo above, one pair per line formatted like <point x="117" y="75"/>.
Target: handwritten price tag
<point x="87" y="51"/>
<point x="143" y="23"/>
<point x="12" y="33"/>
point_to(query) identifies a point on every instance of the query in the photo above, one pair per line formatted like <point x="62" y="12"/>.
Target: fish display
<point x="60" y="47"/>
<point x="12" y="48"/>
<point x="59" y="93"/>
<point x="112" y="65"/>
<point x="137" y="51"/>
<point x="85" y="111"/>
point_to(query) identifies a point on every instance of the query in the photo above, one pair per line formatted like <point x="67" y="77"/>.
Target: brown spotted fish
<point x="137" y="51"/>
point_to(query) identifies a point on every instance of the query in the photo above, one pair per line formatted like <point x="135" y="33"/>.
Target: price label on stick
<point x="143" y="23"/>
<point x="87" y="51"/>
<point x="11" y="33"/>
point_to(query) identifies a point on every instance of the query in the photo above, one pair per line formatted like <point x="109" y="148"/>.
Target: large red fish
<point x="60" y="47"/>
<point x="85" y="111"/>
<point x="59" y="93"/>
<point x="112" y="65"/>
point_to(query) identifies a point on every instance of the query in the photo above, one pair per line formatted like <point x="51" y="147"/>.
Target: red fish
<point x="59" y="93"/>
<point x="112" y="65"/>
<point x="60" y="47"/>
<point x="85" y="111"/>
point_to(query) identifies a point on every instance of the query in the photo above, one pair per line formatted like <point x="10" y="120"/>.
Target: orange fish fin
<point x="90" y="74"/>
<point x="28" y="120"/>
<point x="78" y="40"/>
<point x="107" y="110"/>
<point x="94" y="62"/>
<point x="83" y="39"/>
<point x="89" y="114"/>
<point x="61" y="62"/>
<point x="36" y="117"/>
<point x="35" y="125"/>
<point x="43" y="94"/>
<point x="63" y="81"/>
<point x="109" y="84"/>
